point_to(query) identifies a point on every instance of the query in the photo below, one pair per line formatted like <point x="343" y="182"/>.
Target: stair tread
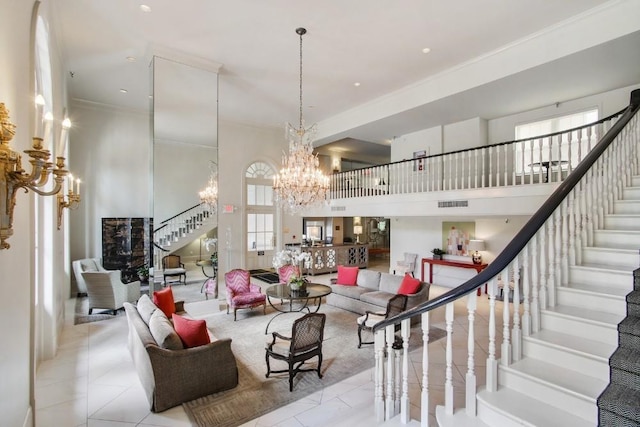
<point x="621" y="400"/>
<point x="586" y="314"/>
<point x="573" y="381"/>
<point x="458" y="419"/>
<point x="534" y="412"/>
<point x="627" y="359"/>
<point x="610" y="291"/>
<point x="608" y="267"/>
<point x="597" y="349"/>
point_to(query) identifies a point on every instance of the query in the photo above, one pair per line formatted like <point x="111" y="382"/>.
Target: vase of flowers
<point x="298" y="285"/>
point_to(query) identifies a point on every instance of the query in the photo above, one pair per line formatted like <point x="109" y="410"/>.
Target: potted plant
<point x="143" y="273"/>
<point x="298" y="285"/>
<point x="437" y="253"/>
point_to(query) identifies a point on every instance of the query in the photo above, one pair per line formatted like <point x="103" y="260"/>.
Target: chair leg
<point x="319" y="365"/>
<point x="264" y="309"/>
<point x="268" y="365"/>
<point x="235" y="310"/>
<point x="90" y="310"/>
<point x="291" y="375"/>
<point x="359" y="336"/>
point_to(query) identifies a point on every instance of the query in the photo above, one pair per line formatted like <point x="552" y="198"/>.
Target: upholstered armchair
<point x="82" y="265"/>
<point x="396" y="305"/>
<point x="173" y="267"/>
<point x="286" y="272"/>
<point x="407" y="264"/>
<point x="106" y="290"/>
<point x="241" y="293"/>
<point x="305" y="342"/>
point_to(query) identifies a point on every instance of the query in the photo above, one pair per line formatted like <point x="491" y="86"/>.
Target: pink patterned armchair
<point x="286" y="272"/>
<point x="241" y="293"/>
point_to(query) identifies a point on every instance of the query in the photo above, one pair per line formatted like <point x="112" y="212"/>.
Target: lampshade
<point x="357" y="229"/>
<point x="476" y="245"/>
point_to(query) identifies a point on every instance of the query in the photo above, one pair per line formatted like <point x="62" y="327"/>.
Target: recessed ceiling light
<point x="145" y="8"/>
<point x="123" y="91"/>
<point x="426" y="50"/>
<point x="356" y="84"/>
<point x="131" y="58"/>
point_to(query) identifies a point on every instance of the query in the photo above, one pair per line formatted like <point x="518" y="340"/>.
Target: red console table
<point x="477" y="267"/>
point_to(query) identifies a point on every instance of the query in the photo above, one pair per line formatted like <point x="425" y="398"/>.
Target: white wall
<point x="429" y="140"/>
<point x="503" y="129"/>
<point x="421" y="234"/>
<point x="466" y="134"/>
<point x="111" y="152"/>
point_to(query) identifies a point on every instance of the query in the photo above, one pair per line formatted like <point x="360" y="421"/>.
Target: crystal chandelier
<point x="300" y="183"/>
<point x="209" y="195"/>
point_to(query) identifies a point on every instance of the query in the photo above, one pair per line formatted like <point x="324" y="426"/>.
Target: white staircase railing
<point x="529" y="270"/>
<point x="178" y="227"/>
<point x="547" y="158"/>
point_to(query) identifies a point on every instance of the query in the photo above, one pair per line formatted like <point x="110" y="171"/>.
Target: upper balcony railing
<point x="543" y="159"/>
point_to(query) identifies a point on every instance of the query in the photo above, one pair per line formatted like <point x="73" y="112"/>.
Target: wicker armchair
<point x="307" y="334"/>
<point x="106" y="290"/>
<point x="396" y="305"/>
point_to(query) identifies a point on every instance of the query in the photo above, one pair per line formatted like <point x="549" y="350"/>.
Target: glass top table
<point x="296" y="301"/>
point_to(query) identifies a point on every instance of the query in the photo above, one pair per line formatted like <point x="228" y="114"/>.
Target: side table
<point x="430" y="261"/>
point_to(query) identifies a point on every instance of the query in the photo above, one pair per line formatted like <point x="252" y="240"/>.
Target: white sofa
<point x="372" y="292"/>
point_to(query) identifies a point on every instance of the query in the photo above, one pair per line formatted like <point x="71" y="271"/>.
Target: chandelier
<point x="209" y="195"/>
<point x="300" y="184"/>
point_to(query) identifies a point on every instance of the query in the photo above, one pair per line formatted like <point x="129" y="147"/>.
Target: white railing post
<point x="470" y="379"/>
<point x="405" y="407"/>
<point x="379" y="375"/>
<point x="492" y="363"/>
<point x="516" y="332"/>
<point x="526" y="291"/>
<point x="389" y="399"/>
<point x="448" y="383"/>
<point x="424" y="392"/>
<point x="505" y="353"/>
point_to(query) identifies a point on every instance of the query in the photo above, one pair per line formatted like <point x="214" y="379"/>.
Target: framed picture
<point x="456" y="236"/>
<point x="419" y="156"/>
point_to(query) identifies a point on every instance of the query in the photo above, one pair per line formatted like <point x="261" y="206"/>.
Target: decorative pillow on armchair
<point x="347" y="275"/>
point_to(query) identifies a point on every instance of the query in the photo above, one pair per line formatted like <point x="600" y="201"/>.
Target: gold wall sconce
<point x="13" y="177"/>
<point x="72" y="199"/>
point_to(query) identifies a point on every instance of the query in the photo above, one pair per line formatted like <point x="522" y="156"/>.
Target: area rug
<point x="267" y="277"/>
<point x="256" y="395"/>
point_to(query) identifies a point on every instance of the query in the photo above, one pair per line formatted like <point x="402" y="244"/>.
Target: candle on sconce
<point x="39" y="116"/>
<point x="70" y="183"/>
<point x="62" y="143"/>
<point x="48" y="128"/>
<point x="78" y="186"/>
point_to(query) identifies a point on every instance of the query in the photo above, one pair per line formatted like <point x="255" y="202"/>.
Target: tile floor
<point x="92" y="382"/>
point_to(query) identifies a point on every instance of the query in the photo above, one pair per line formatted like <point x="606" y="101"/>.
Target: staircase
<point x="559" y="347"/>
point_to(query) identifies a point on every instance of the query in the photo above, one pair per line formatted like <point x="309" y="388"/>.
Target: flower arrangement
<point x="292" y="256"/>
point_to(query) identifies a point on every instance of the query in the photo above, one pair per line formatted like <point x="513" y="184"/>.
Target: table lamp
<point x="476" y="246"/>
<point x="357" y="230"/>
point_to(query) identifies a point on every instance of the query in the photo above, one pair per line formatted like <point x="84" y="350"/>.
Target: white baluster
<point x="470" y="392"/>
<point x="526" y="291"/>
<point x="544" y="248"/>
<point x="564" y="240"/>
<point x="482" y="157"/>
<point x="535" y="284"/>
<point x="405" y="403"/>
<point x="388" y="401"/>
<point x="532" y="142"/>
<point x="541" y="177"/>
<point x="448" y="382"/>
<point x="397" y="374"/>
<point x="476" y="169"/>
<point x="506" y="165"/>
<point x="379" y="375"/>
<point x="489" y="151"/>
<point x="516" y="333"/>
<point x="470" y="155"/>
<point x="492" y="363"/>
<point x="549" y="171"/>
<point x="505" y="356"/>
<point x="424" y="392"/>
<point x="456" y="172"/>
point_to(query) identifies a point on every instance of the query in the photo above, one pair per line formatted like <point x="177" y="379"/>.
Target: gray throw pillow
<point x="146" y="308"/>
<point x="162" y="331"/>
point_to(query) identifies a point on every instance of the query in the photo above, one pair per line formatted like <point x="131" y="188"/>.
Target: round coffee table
<point x="297" y="301"/>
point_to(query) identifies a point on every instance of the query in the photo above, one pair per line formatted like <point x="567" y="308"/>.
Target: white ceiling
<point x="377" y="43"/>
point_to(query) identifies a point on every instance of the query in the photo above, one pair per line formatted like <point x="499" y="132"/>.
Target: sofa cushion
<point x="193" y="333"/>
<point x="347" y="275"/>
<point x="379" y="298"/>
<point x="390" y="283"/>
<point x="162" y="331"/>
<point x="88" y="265"/>
<point x="409" y="285"/>
<point x="354" y="292"/>
<point x="164" y="300"/>
<point x="369" y="279"/>
<point x="145" y="308"/>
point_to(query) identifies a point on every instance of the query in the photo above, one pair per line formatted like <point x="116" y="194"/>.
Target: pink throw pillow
<point x="347" y="275"/>
<point x="409" y="285"/>
<point x="193" y="333"/>
<point x="164" y="300"/>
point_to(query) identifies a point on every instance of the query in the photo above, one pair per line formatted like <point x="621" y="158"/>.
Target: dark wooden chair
<point x="396" y="305"/>
<point x="305" y="342"/>
<point x="172" y="267"/>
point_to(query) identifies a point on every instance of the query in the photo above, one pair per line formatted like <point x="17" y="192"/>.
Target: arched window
<point x="260" y="215"/>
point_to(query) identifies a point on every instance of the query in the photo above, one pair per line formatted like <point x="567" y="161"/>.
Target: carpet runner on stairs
<point x="619" y="403"/>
